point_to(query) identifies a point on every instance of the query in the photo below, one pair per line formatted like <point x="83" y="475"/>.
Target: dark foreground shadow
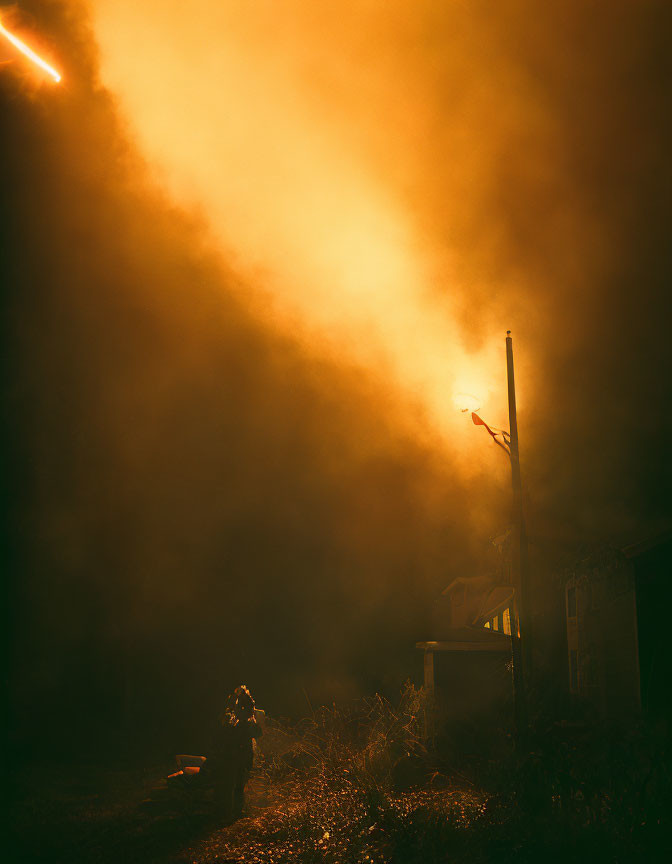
<point x="97" y="816"/>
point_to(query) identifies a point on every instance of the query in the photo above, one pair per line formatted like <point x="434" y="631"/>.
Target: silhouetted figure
<point x="230" y="762"/>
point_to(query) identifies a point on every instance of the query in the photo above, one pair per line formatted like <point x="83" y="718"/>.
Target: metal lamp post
<point x="520" y="628"/>
<point x="521" y="547"/>
<point x="520" y="608"/>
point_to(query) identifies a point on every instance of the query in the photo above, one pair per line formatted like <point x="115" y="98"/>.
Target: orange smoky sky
<point x="299" y="131"/>
<point x="399" y="183"/>
<point x="262" y="259"/>
<point x="396" y="184"/>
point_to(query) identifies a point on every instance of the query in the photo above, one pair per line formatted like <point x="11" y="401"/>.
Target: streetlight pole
<point x="520" y="608"/>
<point x="520" y="629"/>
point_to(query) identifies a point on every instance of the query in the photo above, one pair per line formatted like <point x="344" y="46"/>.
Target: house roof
<point x="497" y="601"/>
<point x="471" y="583"/>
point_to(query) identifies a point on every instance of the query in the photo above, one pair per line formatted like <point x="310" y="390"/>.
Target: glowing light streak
<point x="29" y="53"/>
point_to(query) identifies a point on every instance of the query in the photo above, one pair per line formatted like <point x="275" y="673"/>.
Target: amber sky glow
<point x="260" y="259"/>
<point x="261" y="115"/>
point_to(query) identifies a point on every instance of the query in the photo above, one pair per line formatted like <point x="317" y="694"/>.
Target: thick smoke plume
<point x="411" y="179"/>
<point x="252" y="250"/>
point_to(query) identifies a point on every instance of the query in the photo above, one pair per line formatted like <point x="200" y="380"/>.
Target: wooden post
<point x="429" y="694"/>
<point x="429" y="671"/>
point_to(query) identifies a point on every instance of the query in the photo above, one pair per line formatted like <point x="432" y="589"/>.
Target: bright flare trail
<point x="29" y="53"/>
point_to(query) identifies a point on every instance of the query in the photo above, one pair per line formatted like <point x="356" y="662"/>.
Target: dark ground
<point x="97" y="815"/>
<point x="336" y="789"/>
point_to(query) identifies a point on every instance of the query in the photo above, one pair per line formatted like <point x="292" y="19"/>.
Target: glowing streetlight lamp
<point x="466" y="402"/>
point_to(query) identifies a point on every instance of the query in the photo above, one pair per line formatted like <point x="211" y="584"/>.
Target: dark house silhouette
<point x="618" y="651"/>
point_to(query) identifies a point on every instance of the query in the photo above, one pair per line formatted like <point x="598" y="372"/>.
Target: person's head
<point x="241" y="703"/>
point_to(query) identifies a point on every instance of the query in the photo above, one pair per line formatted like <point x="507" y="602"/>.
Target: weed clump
<point x="360" y="784"/>
<point x="354" y="784"/>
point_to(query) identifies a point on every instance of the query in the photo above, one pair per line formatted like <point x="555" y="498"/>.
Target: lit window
<point x="487" y="624"/>
<point x="506" y="621"/>
<point x="495" y="622"/>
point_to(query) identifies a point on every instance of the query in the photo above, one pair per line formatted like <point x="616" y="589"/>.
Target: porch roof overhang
<point x="469" y="639"/>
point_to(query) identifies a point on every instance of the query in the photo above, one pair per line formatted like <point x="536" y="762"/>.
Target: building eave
<point x="468" y="639"/>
